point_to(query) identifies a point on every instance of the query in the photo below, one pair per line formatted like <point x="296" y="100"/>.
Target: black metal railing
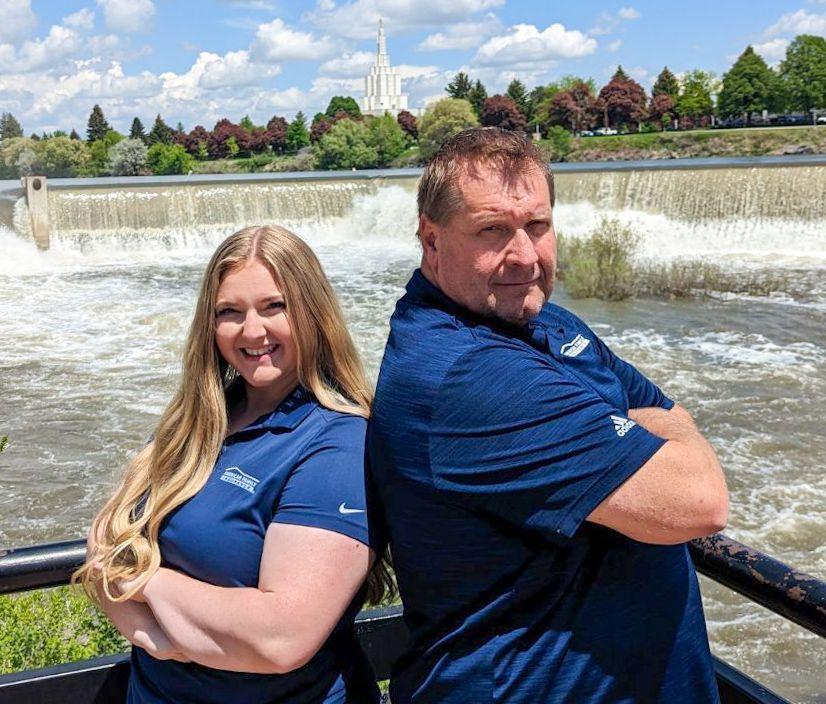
<point x="383" y="635"/>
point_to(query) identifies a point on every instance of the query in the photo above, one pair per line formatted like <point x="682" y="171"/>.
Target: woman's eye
<point x="276" y="305"/>
<point x="223" y="312"/>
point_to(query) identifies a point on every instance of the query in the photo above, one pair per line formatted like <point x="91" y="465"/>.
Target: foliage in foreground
<point x="51" y="626"/>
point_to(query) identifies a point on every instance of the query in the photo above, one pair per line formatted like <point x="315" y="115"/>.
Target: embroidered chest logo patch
<point x="575" y="346"/>
<point x="234" y="475"/>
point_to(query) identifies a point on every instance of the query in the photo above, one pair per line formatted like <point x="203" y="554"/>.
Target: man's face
<point x="495" y="256"/>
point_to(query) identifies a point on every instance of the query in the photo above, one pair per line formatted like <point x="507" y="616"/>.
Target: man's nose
<point x="253" y="326"/>
<point x="521" y="250"/>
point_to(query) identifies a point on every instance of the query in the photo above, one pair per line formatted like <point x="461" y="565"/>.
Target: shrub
<point x="61" y="156"/>
<point x="26" y="162"/>
<point x="165" y="159"/>
<point x="10" y="152"/>
<point x="348" y="145"/>
<point x="443" y="120"/>
<point x="558" y="143"/>
<point x="98" y="164"/>
<point x="599" y="265"/>
<point x="128" y="158"/>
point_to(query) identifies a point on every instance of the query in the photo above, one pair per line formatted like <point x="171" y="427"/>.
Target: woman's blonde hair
<point x="179" y="459"/>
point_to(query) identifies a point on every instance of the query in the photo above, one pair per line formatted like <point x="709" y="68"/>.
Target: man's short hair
<point x="510" y="153"/>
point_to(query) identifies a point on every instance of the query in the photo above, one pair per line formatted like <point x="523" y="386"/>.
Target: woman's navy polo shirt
<point x="489" y="446"/>
<point x="302" y="464"/>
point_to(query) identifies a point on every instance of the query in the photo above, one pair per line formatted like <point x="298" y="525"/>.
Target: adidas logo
<point x="575" y="346"/>
<point x="622" y="425"/>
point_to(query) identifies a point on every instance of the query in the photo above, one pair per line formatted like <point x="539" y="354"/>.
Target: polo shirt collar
<point x="288" y="414"/>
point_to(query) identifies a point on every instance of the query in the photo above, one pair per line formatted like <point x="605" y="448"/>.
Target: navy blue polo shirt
<point x="490" y="445"/>
<point x="301" y="464"/>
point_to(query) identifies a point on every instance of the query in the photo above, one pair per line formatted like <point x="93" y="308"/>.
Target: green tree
<point x="749" y="86"/>
<point x="348" y="144"/>
<point x="570" y="81"/>
<point x="166" y="159"/>
<point x="247" y="123"/>
<point x="518" y="94"/>
<point x="297" y="135"/>
<point x="98" y="164"/>
<point x="441" y="121"/>
<point x="128" y="158"/>
<point x="73" y="134"/>
<point x="342" y="103"/>
<point x="695" y="99"/>
<point x="97" y="126"/>
<point x="9" y="127"/>
<point x="666" y="84"/>
<point x="10" y="151"/>
<point x="540" y="96"/>
<point x="137" y="130"/>
<point x="559" y="143"/>
<point x="459" y="87"/>
<point x="61" y="157"/>
<point x="477" y="97"/>
<point x="803" y="73"/>
<point x="161" y="133"/>
<point x="387" y="137"/>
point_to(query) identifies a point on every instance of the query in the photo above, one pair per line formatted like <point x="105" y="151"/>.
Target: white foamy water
<point x="90" y="333"/>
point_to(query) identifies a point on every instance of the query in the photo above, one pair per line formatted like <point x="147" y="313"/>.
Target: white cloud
<point x="800" y="22"/>
<point x="128" y="15"/>
<point x="18" y="20"/>
<point x="355" y="64"/>
<point x="524" y="44"/>
<point x="628" y="13"/>
<point x="772" y="50"/>
<point x="615" y="45"/>
<point x="463" y="35"/>
<point x="275" y="41"/>
<point x="232" y="69"/>
<point x="359" y="19"/>
<point x="82" y="19"/>
<point x="59" y="44"/>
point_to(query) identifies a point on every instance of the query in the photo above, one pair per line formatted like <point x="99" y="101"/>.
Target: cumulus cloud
<point x="463" y="35"/>
<point x="524" y="44"/>
<point x="615" y="45"/>
<point x="359" y="19"/>
<point x="628" y="13"/>
<point x="18" y="20"/>
<point x="82" y="19"/>
<point x="800" y="22"/>
<point x="772" y="50"/>
<point x="128" y="15"/>
<point x="59" y="44"/>
<point x="357" y="63"/>
<point x="275" y="41"/>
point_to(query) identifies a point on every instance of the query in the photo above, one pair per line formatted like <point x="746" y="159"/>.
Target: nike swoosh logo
<point x="345" y="510"/>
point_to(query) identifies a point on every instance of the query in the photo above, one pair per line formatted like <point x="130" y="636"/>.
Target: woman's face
<point x="252" y="329"/>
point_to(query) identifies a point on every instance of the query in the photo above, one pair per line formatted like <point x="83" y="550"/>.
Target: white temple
<point x="383" y="85"/>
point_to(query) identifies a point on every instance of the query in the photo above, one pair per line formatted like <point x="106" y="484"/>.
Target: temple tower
<point x="383" y="85"/>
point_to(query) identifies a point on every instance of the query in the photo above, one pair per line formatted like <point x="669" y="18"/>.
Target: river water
<point x="91" y="330"/>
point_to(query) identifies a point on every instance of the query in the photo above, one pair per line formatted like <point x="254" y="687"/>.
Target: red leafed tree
<point x="661" y="109"/>
<point x="277" y="131"/>
<point x="192" y="141"/>
<point x="259" y="140"/>
<point x="622" y="101"/>
<point x="574" y="109"/>
<point x="320" y="127"/>
<point x="407" y="121"/>
<point x="218" y="144"/>
<point x="501" y="111"/>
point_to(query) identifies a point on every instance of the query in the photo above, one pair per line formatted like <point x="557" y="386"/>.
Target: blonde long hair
<point x="177" y="462"/>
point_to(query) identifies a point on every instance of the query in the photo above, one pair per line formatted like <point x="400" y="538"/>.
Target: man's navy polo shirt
<point x="300" y="464"/>
<point x="489" y="446"/>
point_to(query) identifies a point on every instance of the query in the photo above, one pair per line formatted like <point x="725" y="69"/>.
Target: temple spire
<point x="381" y="58"/>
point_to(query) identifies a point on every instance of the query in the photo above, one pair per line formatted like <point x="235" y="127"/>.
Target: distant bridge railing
<point x="383" y="635"/>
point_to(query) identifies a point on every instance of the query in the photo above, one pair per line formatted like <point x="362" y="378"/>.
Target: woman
<point x="233" y="553"/>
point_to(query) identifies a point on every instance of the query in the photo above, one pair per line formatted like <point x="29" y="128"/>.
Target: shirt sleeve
<point x="327" y="489"/>
<point x="642" y="392"/>
<point x="514" y="436"/>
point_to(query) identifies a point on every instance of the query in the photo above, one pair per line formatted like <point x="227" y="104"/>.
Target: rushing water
<point x="91" y="331"/>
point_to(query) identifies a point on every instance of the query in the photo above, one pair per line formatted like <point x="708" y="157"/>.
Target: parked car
<point x="821" y="120"/>
<point x="605" y="131"/>
<point x="586" y="133"/>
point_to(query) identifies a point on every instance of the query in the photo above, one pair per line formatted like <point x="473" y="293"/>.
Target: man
<point x="538" y="489"/>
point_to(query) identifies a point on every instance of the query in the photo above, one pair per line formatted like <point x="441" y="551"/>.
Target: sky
<point x="197" y="62"/>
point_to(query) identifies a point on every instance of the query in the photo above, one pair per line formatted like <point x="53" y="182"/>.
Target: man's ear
<point x="429" y="238"/>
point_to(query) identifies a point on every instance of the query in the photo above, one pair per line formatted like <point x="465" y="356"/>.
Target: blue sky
<point x="196" y="62"/>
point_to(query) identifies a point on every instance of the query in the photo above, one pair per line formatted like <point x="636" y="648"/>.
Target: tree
<point x="501" y="111"/>
<point x="348" y="145"/>
<point x="128" y="158"/>
<point x="666" y="84"/>
<point x="98" y="165"/>
<point x="97" y="127"/>
<point x="661" y="109"/>
<point x="441" y="121"/>
<point x="622" y="100"/>
<point x="343" y="103"/>
<point x="476" y="97"/>
<point x="297" y="135"/>
<point x="161" y="133"/>
<point x="197" y="142"/>
<point x="407" y="121"/>
<point x="227" y="140"/>
<point x="137" y="130"/>
<point x="540" y="96"/>
<point x="247" y="123"/>
<point x="73" y="134"/>
<point x="165" y="159"/>
<point x="695" y="101"/>
<point x="277" y="130"/>
<point x="259" y="140"/>
<point x="749" y="86"/>
<point x="459" y="87"/>
<point x="387" y="137"/>
<point x="803" y="73"/>
<point x="9" y="127"/>
<point x="519" y="95"/>
<point x="60" y="157"/>
<point x="574" y="109"/>
<point x="320" y="127"/>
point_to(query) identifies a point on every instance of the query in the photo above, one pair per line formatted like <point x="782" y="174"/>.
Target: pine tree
<point x="137" y="131"/>
<point x="460" y="86"/>
<point x="247" y="123"/>
<point x="749" y="86"/>
<point x="9" y="127"/>
<point x="297" y="134"/>
<point x="179" y="128"/>
<point x="161" y="133"/>
<point x="97" y="127"/>
<point x="476" y="97"/>
<point x="666" y="84"/>
<point x="519" y="95"/>
<point x="74" y="135"/>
